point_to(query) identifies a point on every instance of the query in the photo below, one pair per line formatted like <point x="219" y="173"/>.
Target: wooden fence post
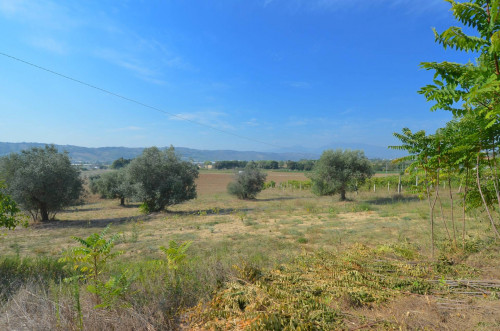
<point x="399" y="185"/>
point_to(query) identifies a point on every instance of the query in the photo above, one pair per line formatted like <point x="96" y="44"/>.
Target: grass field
<point x="242" y="248"/>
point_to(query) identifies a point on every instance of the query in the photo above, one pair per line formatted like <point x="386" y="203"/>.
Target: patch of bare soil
<point x="427" y="312"/>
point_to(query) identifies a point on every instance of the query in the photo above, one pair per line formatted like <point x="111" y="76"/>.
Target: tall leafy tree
<point x="41" y="180"/>
<point x="337" y="172"/>
<point x="161" y="179"/>
<point x="472" y="90"/>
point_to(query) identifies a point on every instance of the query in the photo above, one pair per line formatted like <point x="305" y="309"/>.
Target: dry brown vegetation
<point x="267" y="233"/>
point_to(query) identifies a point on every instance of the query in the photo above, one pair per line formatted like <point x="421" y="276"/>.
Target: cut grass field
<point x="287" y="230"/>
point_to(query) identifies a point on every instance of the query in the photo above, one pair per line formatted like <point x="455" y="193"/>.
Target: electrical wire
<point x="135" y="101"/>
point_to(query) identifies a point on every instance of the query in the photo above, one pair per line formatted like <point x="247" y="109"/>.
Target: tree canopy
<point x="462" y="88"/>
<point x="468" y="146"/>
<point x="337" y="172"/>
<point x="161" y="179"/>
<point x="41" y="180"/>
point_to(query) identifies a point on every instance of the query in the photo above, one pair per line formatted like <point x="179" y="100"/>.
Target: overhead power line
<point x="135" y="101"/>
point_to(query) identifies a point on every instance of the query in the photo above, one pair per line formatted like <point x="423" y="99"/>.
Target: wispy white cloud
<point x="347" y="111"/>
<point x="54" y="26"/>
<point x="8" y="7"/>
<point x="252" y="122"/>
<point x="210" y="118"/>
<point x="410" y="6"/>
<point x="147" y="58"/>
<point x="49" y="44"/>
<point x="154" y="50"/>
<point x="124" y="60"/>
<point x="419" y="7"/>
<point x="43" y="24"/>
<point x="295" y="121"/>
<point x="44" y="14"/>
<point x="177" y="62"/>
<point x="267" y="2"/>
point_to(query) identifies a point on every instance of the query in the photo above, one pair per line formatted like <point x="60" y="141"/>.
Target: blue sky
<point x="290" y="73"/>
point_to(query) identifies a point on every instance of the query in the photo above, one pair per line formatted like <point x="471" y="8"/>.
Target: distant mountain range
<point x="371" y="151"/>
<point x="109" y="154"/>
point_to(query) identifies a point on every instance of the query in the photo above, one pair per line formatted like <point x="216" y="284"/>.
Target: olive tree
<point x="340" y="171"/>
<point x="161" y="179"/>
<point x="112" y="185"/>
<point x="41" y="180"/>
<point x="248" y="182"/>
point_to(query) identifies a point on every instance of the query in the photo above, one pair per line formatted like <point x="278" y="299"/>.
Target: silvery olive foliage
<point x="41" y="180"/>
<point x="161" y="179"/>
<point x="115" y="184"/>
<point x="339" y="172"/>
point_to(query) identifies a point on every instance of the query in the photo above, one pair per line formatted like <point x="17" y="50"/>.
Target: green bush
<point x="271" y="184"/>
<point x="8" y="210"/>
<point x="248" y="183"/>
<point x="91" y="259"/>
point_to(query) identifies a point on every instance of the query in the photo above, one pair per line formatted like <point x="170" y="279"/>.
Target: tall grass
<point x="16" y="272"/>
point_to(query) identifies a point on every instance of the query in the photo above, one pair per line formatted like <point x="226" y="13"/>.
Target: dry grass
<point x="279" y="218"/>
<point x="268" y="231"/>
<point x="32" y="308"/>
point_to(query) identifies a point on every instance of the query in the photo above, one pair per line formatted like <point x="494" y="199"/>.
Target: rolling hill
<point x="109" y="154"/>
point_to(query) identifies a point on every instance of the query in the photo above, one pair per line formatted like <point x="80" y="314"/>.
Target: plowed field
<point x="210" y="183"/>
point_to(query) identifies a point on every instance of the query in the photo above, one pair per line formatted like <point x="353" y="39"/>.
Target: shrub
<point x="248" y="183"/>
<point x="8" y="210"/>
<point x="91" y="259"/>
<point x="271" y="184"/>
